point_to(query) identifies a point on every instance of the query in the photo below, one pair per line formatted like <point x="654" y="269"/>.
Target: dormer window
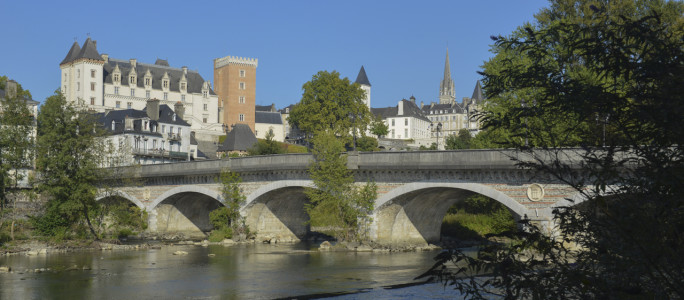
<point x="148" y="82"/>
<point x="183" y="86"/>
<point x="173" y="118"/>
<point x="113" y="125"/>
<point x="165" y="84"/>
<point x="205" y="94"/>
<point x="131" y="80"/>
<point x="116" y="78"/>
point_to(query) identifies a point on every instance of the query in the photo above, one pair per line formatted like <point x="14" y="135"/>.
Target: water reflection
<point x="244" y="271"/>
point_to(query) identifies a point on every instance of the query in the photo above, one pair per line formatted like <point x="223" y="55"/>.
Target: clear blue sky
<point x="401" y="44"/>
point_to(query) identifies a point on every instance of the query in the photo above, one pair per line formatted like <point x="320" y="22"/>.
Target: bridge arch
<point x="413" y="213"/>
<point x="184" y="210"/>
<point x="276" y="210"/>
<point x="123" y="195"/>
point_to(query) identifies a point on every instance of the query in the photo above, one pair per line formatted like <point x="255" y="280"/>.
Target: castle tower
<point x="447" y="95"/>
<point x="235" y="84"/>
<point x="82" y="74"/>
<point x="362" y="80"/>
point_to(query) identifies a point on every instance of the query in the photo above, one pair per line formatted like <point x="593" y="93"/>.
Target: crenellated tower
<point x="235" y="84"/>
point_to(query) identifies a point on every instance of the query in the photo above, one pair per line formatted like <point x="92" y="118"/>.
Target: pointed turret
<point x="89" y="51"/>
<point x="362" y="78"/>
<point x="446" y="87"/>
<point x="73" y="53"/>
<point x="477" y="93"/>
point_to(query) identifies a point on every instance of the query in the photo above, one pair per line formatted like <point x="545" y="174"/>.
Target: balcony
<point x="173" y="136"/>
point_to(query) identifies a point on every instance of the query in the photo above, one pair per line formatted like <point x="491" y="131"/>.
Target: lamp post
<point x="605" y="122"/>
<point x="436" y="129"/>
<point x="523" y="105"/>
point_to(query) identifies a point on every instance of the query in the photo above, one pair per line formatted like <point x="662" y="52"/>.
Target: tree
<point x="337" y="206"/>
<point x="233" y="200"/>
<point x="367" y="143"/>
<point x="621" y="59"/>
<point x="16" y="142"/>
<point x="331" y="104"/>
<point x="461" y="141"/>
<point x="69" y="148"/>
<point x="266" y="147"/>
<point x="378" y="127"/>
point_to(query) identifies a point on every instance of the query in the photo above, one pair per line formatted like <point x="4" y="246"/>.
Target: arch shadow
<point x="413" y="213"/>
<point x="276" y="210"/>
<point x="185" y="209"/>
<point x="120" y="194"/>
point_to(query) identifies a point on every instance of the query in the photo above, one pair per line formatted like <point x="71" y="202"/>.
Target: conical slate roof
<point x="89" y="51"/>
<point x="477" y="93"/>
<point x="240" y="138"/>
<point x="73" y="52"/>
<point x="362" y="78"/>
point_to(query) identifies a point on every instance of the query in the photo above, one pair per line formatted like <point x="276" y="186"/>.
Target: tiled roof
<point x="410" y="110"/>
<point x="119" y="117"/>
<point x="73" y="53"/>
<point x="267" y="117"/>
<point x="195" y="80"/>
<point x="440" y="109"/>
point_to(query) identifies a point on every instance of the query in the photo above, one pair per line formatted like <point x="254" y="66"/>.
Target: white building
<point x="405" y="122"/>
<point x="154" y="135"/>
<point x="267" y="118"/>
<point x="102" y="83"/>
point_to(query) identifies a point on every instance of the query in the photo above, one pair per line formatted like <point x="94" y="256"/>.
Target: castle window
<point x="183" y="86"/>
<point x="147" y="94"/>
<point x="148" y="81"/>
<point x="92" y="100"/>
<point x="183" y="98"/>
<point x="132" y="92"/>
<point x="205" y="94"/>
<point x="92" y="86"/>
<point x="242" y="99"/>
<point x="205" y="107"/>
<point x="166" y="96"/>
<point x="392" y="122"/>
<point x="204" y="120"/>
<point x="242" y="117"/>
<point x="116" y="90"/>
<point x="116" y="78"/>
<point x="118" y="104"/>
<point x="92" y="73"/>
<point x="165" y="84"/>
<point x="242" y="85"/>
<point x="129" y="105"/>
<point x="242" y="73"/>
<point x="406" y="121"/>
<point x="78" y="73"/>
<point x="78" y="86"/>
<point x="131" y="80"/>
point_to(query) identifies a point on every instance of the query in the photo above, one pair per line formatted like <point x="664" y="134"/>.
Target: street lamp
<point x="605" y="122"/>
<point x="436" y="129"/>
<point x="523" y="105"/>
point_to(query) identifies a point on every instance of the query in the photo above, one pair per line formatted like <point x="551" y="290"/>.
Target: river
<point x="254" y="271"/>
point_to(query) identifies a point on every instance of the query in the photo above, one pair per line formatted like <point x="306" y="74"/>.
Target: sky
<point x="401" y="44"/>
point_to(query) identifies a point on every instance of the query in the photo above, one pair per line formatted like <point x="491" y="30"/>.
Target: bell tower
<point x="447" y="95"/>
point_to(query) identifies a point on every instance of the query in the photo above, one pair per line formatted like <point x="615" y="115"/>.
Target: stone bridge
<point x="415" y="190"/>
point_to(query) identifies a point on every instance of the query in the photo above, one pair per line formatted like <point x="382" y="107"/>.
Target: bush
<point x="218" y="235"/>
<point x="367" y="143"/>
<point x="220" y="218"/>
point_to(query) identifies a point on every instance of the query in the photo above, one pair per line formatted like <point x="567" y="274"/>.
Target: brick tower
<point x="235" y="84"/>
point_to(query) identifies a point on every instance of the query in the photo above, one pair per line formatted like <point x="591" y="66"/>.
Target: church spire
<point x="446" y="87"/>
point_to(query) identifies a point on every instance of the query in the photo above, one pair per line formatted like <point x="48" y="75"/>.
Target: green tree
<point x="584" y="59"/>
<point x="16" y="143"/>
<point x="337" y="206"/>
<point x="233" y="199"/>
<point x="330" y="103"/>
<point x="266" y="147"/>
<point x="69" y="153"/>
<point x="461" y="141"/>
<point x="367" y="143"/>
<point x="378" y="127"/>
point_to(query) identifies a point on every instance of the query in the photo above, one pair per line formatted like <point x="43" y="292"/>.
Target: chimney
<point x="185" y="70"/>
<point x="421" y="105"/>
<point x="11" y="89"/>
<point x="413" y="99"/>
<point x="273" y="107"/>
<point x="400" y="108"/>
<point x="153" y="109"/>
<point x="105" y="57"/>
<point x="134" y="62"/>
<point x="179" y="109"/>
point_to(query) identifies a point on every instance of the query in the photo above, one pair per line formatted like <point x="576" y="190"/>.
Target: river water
<point x="256" y="271"/>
